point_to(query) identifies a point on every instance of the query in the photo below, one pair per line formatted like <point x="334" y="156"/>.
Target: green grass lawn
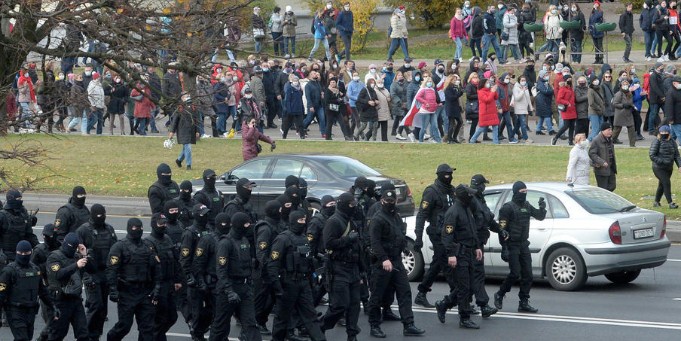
<point x="126" y="166"/>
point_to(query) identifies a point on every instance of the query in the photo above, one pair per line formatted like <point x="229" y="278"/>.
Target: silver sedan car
<point x="588" y="231"/>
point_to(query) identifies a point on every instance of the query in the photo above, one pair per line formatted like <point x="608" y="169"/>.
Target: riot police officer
<point x="134" y="273"/>
<point x="437" y="198"/>
<point x="98" y="237"/>
<point x="234" y="293"/>
<point x="200" y="318"/>
<point x="65" y="268"/>
<point x="514" y="217"/>
<point x="364" y="193"/>
<point x="39" y="258"/>
<point x="171" y="281"/>
<point x="304" y="203"/>
<point x="344" y="267"/>
<point x="265" y="231"/>
<point x="289" y="203"/>
<point x="72" y="215"/>
<point x="460" y="239"/>
<point x="240" y="203"/>
<point x="186" y="203"/>
<point x="210" y="196"/>
<point x="163" y="189"/>
<point x="388" y="240"/>
<point x="315" y="235"/>
<point x="174" y="228"/>
<point x="20" y="286"/>
<point x="15" y="224"/>
<point x="291" y="265"/>
<point x="203" y="269"/>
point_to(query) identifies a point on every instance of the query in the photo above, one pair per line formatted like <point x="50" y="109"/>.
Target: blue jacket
<point x="389" y="77"/>
<point x="220" y="93"/>
<point x="638" y="99"/>
<point x="544" y="98"/>
<point x="353" y="92"/>
<point x="490" y="23"/>
<point x="595" y="18"/>
<point x="293" y="102"/>
<point x="319" y="29"/>
<point x="646" y="19"/>
<point x="313" y="95"/>
<point x="344" y="22"/>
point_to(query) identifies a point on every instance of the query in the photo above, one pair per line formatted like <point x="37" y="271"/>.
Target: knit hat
<point x="606" y="126"/>
<point x="422" y="65"/>
<point x="664" y="129"/>
<point x="24" y="246"/>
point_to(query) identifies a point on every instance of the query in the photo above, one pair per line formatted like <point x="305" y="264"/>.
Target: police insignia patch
<point x="199" y="252"/>
<point x="424" y="204"/>
<point x="114" y="260"/>
<point x="275" y="255"/>
<point x="3" y="287"/>
<point x="185" y="252"/>
<point x="502" y="223"/>
<point x="262" y="245"/>
<point x="449" y="229"/>
<point x="222" y="260"/>
<point x="55" y="267"/>
<point x="57" y="222"/>
<point x="310" y="237"/>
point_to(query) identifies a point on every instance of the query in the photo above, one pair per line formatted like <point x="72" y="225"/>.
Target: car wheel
<point x="413" y="263"/>
<point x="623" y="277"/>
<point x="565" y="270"/>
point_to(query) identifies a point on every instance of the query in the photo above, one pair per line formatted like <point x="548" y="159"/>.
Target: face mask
<point x="584" y="143"/>
<point x="546" y="78"/>
<point x="596" y="82"/>
<point x="445" y="178"/>
<point x="372" y="71"/>
<point x="417" y="78"/>
<point x="625" y="88"/>
<point x="186" y="196"/>
<point x="582" y="83"/>
<point x="441" y="70"/>
<point x="223" y="80"/>
<point x="135" y="234"/>
<point x="545" y="68"/>
<point x="390" y="69"/>
<point x="172" y="217"/>
<point x="677" y="86"/>
<point x="78" y="201"/>
<point x="347" y="8"/>
<point x="356" y="79"/>
<point x="429" y="84"/>
<point x="329" y="6"/>
<point x="507" y="80"/>
<point x="209" y="182"/>
<point x="235" y="78"/>
<point x="566" y="73"/>
<point x="388" y="207"/>
<point x="296" y="84"/>
<point x="523" y="83"/>
<point x="554" y="11"/>
<point x="574" y="9"/>
<point x="243" y="193"/>
<point x="380" y="86"/>
<point x="248" y="96"/>
<point x="373" y="86"/>
<point x="519" y="197"/>
<point x="475" y="81"/>
<point x="487" y="85"/>
<point x="22" y="260"/>
<point x="88" y="73"/>
<point x="500" y="6"/>
<point x="457" y="83"/>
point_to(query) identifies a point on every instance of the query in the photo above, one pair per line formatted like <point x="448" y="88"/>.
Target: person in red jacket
<point x="488" y="111"/>
<point x="566" y="101"/>
<point x="143" y="107"/>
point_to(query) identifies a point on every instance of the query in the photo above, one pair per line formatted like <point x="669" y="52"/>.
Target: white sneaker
<point x="666" y="57"/>
<point x="400" y="137"/>
<point x="205" y="136"/>
<point x="433" y="141"/>
<point x="648" y="59"/>
<point x="411" y="137"/>
<point x="426" y="137"/>
<point x="660" y="60"/>
<point x="529" y="141"/>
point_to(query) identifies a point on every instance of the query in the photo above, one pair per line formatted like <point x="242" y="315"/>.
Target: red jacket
<point x="457" y="29"/>
<point x="646" y="82"/>
<point x="556" y="80"/>
<point x="249" y="140"/>
<point x="489" y="116"/>
<point x="144" y="106"/>
<point x="428" y="99"/>
<point x="566" y="97"/>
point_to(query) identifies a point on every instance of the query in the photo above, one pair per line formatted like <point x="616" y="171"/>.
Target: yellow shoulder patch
<point x="502" y="224"/>
<point x="57" y="223"/>
<point x="275" y="255"/>
<point x="199" y="252"/>
<point x="222" y="260"/>
<point x="310" y="237"/>
<point x="262" y="245"/>
<point x="449" y="229"/>
<point x="55" y="267"/>
<point x="3" y="287"/>
<point x="185" y="252"/>
<point x="424" y="204"/>
<point x="114" y="260"/>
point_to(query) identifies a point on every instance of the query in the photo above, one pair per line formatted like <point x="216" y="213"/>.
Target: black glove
<point x="113" y="295"/>
<point x="57" y="312"/>
<point x="191" y="281"/>
<point x="418" y="244"/>
<point x="353" y="236"/>
<point x="91" y="285"/>
<point x="542" y="203"/>
<point x="155" y="295"/>
<point x="273" y="146"/>
<point x="34" y="220"/>
<point x="278" y="290"/>
<point x="504" y="253"/>
<point x="503" y="234"/>
<point x="201" y="285"/>
<point x="232" y="297"/>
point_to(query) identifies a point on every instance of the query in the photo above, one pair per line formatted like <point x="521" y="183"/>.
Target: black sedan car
<point x="325" y="175"/>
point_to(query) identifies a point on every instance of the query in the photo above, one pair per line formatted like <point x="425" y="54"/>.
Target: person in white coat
<point x="522" y="105"/>
<point x="579" y="163"/>
<point x="95" y="95"/>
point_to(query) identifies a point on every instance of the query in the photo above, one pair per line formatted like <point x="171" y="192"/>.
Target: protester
<point x="597" y="18"/>
<point x="624" y="107"/>
<point x="457" y="32"/>
<point x="345" y="24"/>
<point x="398" y="33"/>
<point x="626" y="25"/>
<point x="664" y="153"/>
<point x="565" y="101"/>
<point x="487" y="97"/>
<point x="185" y="125"/>
<point x="602" y="155"/>
<point x="289" y="23"/>
<point x="579" y="163"/>
<point x="576" y="35"/>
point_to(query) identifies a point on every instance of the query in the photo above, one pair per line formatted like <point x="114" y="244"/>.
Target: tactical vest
<point x="24" y="292"/>
<point x="210" y="276"/>
<point x="439" y="208"/>
<point x="70" y="287"/>
<point x="14" y="232"/>
<point x="175" y="231"/>
<point x="165" y="249"/>
<point x="396" y="241"/>
<point x="136" y="262"/>
<point x="241" y="207"/>
<point x="102" y="241"/>
<point x="169" y="192"/>
<point x="519" y="228"/>
<point x="213" y="200"/>
<point x="239" y="262"/>
<point x="298" y="258"/>
<point x="80" y="216"/>
<point x="349" y="254"/>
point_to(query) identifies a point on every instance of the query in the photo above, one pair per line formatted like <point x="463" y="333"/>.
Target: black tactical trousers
<point x="381" y="281"/>
<point x="47" y="314"/>
<point x="264" y="300"/>
<point x="21" y="322"/>
<point x="344" y="299"/>
<point x="520" y="266"/>
<point x="477" y="289"/>
<point x="464" y="273"/>
<point x="166" y="314"/>
<point x="203" y="310"/>
<point x="71" y="312"/>
<point x="297" y="295"/>
<point x="438" y="263"/>
<point x="96" y="303"/>
<point x="245" y="310"/>
<point x="134" y="303"/>
<point x="182" y="303"/>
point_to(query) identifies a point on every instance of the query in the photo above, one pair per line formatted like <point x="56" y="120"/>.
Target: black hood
<point x="209" y="178"/>
<point x="241" y="223"/>
<point x="164" y="169"/>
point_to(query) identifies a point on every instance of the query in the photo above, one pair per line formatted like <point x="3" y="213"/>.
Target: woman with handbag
<point x="334" y="109"/>
<point x="565" y="101"/>
<point x="250" y="135"/>
<point x="472" y="102"/>
<point x="522" y="105"/>
<point x="258" y="29"/>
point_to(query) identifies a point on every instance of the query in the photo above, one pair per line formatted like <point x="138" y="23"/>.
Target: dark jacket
<point x="577" y="33"/>
<point x="672" y="106"/>
<point x="490" y="23"/>
<point x="185" y="124"/>
<point x="645" y="20"/>
<point x="478" y="26"/>
<point x="544" y="99"/>
<point x="413" y="88"/>
<point x="367" y="112"/>
<point x="627" y="22"/>
<point x="595" y="18"/>
<point x="664" y="153"/>
<point x="293" y="100"/>
<point x="600" y="150"/>
<point x="118" y="97"/>
<point x="345" y="22"/>
<point x="661" y="24"/>
<point x="452" y="105"/>
<point x="313" y="95"/>
<point x="582" y="101"/>
<point x="656" y="94"/>
<point x="471" y="97"/>
<point x="398" y="94"/>
<point x="460" y="230"/>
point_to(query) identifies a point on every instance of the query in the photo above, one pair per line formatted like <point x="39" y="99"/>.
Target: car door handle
<point x="542" y="229"/>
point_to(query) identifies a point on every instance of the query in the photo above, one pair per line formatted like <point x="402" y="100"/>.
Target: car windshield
<point x="600" y="201"/>
<point x="349" y="168"/>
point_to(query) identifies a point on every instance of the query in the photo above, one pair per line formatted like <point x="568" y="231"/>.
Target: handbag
<point x="334" y="107"/>
<point x="472" y="107"/>
<point x="258" y="33"/>
<point x="258" y="148"/>
<point x="561" y="107"/>
<point x="504" y="36"/>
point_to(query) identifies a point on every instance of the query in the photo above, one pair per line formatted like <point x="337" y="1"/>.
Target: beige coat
<point x="399" y="26"/>
<point x="383" y="104"/>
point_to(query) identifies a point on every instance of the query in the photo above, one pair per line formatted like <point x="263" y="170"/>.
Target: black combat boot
<point x="422" y="300"/>
<point x="525" y="307"/>
<point x="498" y="300"/>
<point x="412" y="330"/>
<point x="468" y="324"/>
<point x="441" y="310"/>
<point x="389" y="315"/>
<point x="377" y="332"/>
<point x="488" y="311"/>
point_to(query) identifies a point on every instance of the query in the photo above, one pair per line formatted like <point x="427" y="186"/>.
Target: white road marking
<point x="674" y="260"/>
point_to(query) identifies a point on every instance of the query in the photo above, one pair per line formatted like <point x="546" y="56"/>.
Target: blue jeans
<point x="595" y="121"/>
<point x="142" y="126"/>
<point x="231" y="111"/>
<point x="490" y="38"/>
<point x="648" y="37"/>
<point x="459" y="47"/>
<point x="475" y="44"/>
<point x="509" y="126"/>
<point x="550" y="45"/>
<point x="576" y="47"/>
<point x="186" y="154"/>
<point x="316" y="46"/>
<point x="479" y="130"/>
<point x="258" y="45"/>
<point x="540" y="123"/>
<point x="654" y="113"/>
<point x="229" y="52"/>
<point x="434" y="132"/>
<point x="26" y="115"/>
<point x="319" y="112"/>
<point x="222" y="122"/>
<point x="152" y="121"/>
<point x="290" y="42"/>
<point x="514" y="50"/>
<point x="96" y="117"/>
<point x="278" y="43"/>
<point x="394" y="43"/>
<point x="522" y="126"/>
<point x="347" y="43"/>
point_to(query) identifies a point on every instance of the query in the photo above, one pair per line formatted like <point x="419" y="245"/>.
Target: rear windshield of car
<point x="350" y="168"/>
<point x="599" y="201"/>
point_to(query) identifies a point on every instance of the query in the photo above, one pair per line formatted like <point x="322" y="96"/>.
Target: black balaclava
<point x="518" y="197"/>
<point x="136" y="234"/>
<point x="241" y="223"/>
<point x="293" y="193"/>
<point x="186" y="190"/>
<point x="242" y="191"/>
<point x="14" y="201"/>
<point x="296" y="227"/>
<point x="328" y="205"/>
<point x="97" y="215"/>
<point x="444" y="174"/>
<point x="222" y="223"/>
<point x="273" y="210"/>
<point x="48" y="237"/>
<point x="302" y="188"/>
<point x="360" y="184"/>
<point x="164" y="169"/>
<point x="284" y="201"/>
<point x="370" y="188"/>
<point x="346" y="204"/>
<point x="388" y="198"/>
<point x="200" y="214"/>
<point x="23" y="246"/>
<point x="291" y="180"/>
<point x="478" y="182"/>
<point x="78" y="196"/>
<point x="464" y="194"/>
<point x="171" y="205"/>
<point x="158" y="225"/>
<point x="209" y="178"/>
<point x="70" y="244"/>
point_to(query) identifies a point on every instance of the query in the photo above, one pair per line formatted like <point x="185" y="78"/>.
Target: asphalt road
<point x="645" y="309"/>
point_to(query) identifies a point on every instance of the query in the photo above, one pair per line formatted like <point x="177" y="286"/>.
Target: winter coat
<point x="257" y="22"/>
<point x="656" y="93"/>
<point x="319" y="29"/>
<point x="664" y="153"/>
<point x="489" y="23"/>
<point x="623" y="103"/>
<point x="596" y="100"/>
<point x="249" y="141"/>
<point x="552" y="26"/>
<point x="334" y="98"/>
<point x="354" y="88"/>
<point x="457" y="29"/>
<point x="26" y="90"/>
<point x="345" y="22"/>
<point x="275" y="21"/>
<point x="289" y="24"/>
<point x="78" y="99"/>
<point x="599" y="150"/>
<point x="626" y="23"/>
<point x="143" y="104"/>
<point x="258" y="89"/>
<point x="511" y="27"/>
<point x="412" y="88"/>
<point x="398" y="23"/>
<point x="185" y="124"/>
<point x="478" y="27"/>
<point x="95" y="95"/>
<point x="293" y="100"/>
<point x="472" y="96"/>
<point x="522" y="100"/>
<point x="607" y="98"/>
<point x="250" y="110"/>
<point x="544" y="98"/>
<point x="499" y="18"/>
<point x="313" y="95"/>
<point x="172" y="88"/>
<point x="427" y="98"/>
<point x="398" y="94"/>
<point x="488" y="108"/>
<point x="672" y="106"/>
<point x="596" y="18"/>
<point x="367" y="112"/>
<point x="566" y="97"/>
<point x="577" y="33"/>
<point x="221" y="95"/>
<point x="582" y="101"/>
<point x="452" y="104"/>
<point x="661" y="24"/>
<point x="118" y="97"/>
<point x="645" y="20"/>
<point x="523" y="18"/>
<point x="578" y="165"/>
<point x="383" y="96"/>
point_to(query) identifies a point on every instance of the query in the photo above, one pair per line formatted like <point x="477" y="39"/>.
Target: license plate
<point x="643" y="233"/>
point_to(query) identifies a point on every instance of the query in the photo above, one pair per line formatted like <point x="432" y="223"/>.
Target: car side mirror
<point x="231" y="179"/>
